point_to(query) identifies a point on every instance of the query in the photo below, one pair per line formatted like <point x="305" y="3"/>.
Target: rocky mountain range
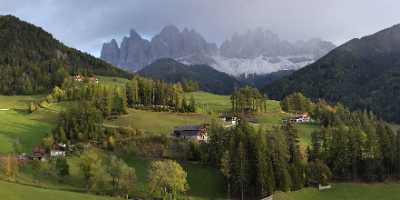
<point x="257" y="51"/>
<point x="135" y="52"/>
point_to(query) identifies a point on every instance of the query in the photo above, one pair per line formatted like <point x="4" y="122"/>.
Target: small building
<point x="57" y="153"/>
<point x="301" y="118"/>
<point x="192" y="132"/>
<point x="229" y="118"/>
<point x="58" y="150"/>
<point x="38" y="153"/>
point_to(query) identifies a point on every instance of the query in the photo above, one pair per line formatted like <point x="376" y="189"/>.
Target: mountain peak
<point x="134" y="35"/>
<point x="113" y="42"/>
<point x="170" y="29"/>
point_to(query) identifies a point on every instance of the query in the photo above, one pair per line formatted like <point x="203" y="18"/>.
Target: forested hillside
<point x="32" y="61"/>
<point x="209" y="79"/>
<point x="363" y="74"/>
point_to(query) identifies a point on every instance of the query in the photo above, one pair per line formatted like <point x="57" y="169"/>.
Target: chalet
<point x="192" y="132"/>
<point x="301" y="118"/>
<point x="58" y="150"/>
<point x="229" y="118"/>
<point x="38" y="153"/>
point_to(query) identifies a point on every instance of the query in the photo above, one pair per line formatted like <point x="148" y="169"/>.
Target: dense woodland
<point x="355" y="145"/>
<point x="351" y="146"/>
<point x="256" y="162"/>
<point x="32" y="61"/>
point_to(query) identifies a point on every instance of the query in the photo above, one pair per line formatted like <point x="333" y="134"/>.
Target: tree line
<point x="142" y="92"/>
<point x="247" y="99"/>
<point x="296" y="103"/>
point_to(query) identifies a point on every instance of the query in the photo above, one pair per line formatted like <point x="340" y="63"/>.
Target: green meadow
<point x="13" y="191"/>
<point x="157" y="123"/>
<point x="17" y="124"/>
<point x="210" y="103"/>
<point x="205" y="182"/>
<point x="112" y="81"/>
<point x="346" y="191"/>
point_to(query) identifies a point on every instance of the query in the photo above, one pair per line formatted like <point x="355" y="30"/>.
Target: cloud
<point x="86" y="24"/>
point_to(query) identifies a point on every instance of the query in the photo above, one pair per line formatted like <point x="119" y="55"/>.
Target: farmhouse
<point x="192" y="132"/>
<point x="38" y="154"/>
<point x="301" y="118"/>
<point x="58" y="150"/>
<point x="229" y="118"/>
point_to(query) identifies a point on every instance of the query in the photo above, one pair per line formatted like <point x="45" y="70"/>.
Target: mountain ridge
<point x="209" y="79"/>
<point x="135" y="52"/>
<point x="257" y="51"/>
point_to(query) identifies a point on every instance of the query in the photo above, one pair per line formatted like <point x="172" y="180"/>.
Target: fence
<point x="268" y="198"/>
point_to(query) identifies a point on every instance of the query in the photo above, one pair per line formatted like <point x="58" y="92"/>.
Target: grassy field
<point x="346" y="191"/>
<point x="112" y="81"/>
<point x="12" y="191"/>
<point x="157" y="122"/>
<point x="211" y="103"/>
<point x="17" y="123"/>
<point x="205" y="182"/>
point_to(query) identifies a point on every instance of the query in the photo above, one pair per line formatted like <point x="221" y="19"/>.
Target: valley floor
<point x="205" y="182"/>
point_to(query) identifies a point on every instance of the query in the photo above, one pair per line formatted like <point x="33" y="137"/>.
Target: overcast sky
<point x="86" y="24"/>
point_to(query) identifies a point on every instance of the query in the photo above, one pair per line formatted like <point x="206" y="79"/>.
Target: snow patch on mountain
<point x="260" y="64"/>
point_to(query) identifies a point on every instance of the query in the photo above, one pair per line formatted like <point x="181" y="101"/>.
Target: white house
<point x="229" y="119"/>
<point x="57" y="153"/>
<point x="58" y="150"/>
<point x="192" y="132"/>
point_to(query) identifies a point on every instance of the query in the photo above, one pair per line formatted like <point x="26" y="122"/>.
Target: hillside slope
<point x="363" y="74"/>
<point x="13" y="191"/>
<point x="210" y="80"/>
<point x="32" y="61"/>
